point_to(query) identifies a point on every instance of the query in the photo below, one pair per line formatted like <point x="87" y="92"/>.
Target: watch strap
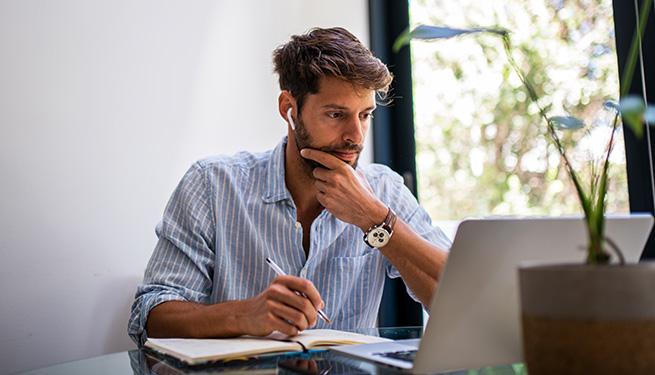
<point x="390" y="221"/>
<point x="388" y="225"/>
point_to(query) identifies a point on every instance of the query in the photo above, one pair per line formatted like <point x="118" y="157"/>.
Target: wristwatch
<point x="379" y="235"/>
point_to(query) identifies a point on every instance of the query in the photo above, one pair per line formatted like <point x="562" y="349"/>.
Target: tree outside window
<point x="481" y="146"/>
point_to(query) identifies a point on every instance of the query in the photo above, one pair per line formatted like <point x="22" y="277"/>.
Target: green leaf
<point x="626" y="80"/>
<point x="598" y="217"/>
<point x="519" y="368"/>
<point x="632" y="104"/>
<point x="649" y="115"/>
<point x="426" y="32"/>
<point x="444" y="32"/>
<point x="611" y="105"/>
<point x="632" y="110"/>
<point x="567" y="122"/>
<point x="403" y="39"/>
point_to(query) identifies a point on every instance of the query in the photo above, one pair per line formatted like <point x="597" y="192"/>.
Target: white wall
<point x="103" y="106"/>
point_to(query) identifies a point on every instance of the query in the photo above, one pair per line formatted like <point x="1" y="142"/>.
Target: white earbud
<point x="291" y="123"/>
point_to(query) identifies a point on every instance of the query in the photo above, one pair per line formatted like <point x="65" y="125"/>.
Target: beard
<point x="304" y="140"/>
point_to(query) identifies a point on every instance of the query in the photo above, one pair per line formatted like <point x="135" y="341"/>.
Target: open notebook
<point x="197" y="351"/>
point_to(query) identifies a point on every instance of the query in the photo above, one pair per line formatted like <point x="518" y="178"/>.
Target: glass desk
<point x="145" y="362"/>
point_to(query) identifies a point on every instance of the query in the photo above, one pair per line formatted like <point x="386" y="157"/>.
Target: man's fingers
<point x="321" y="174"/>
<point x="293" y="316"/>
<point x="321" y="186"/>
<point x="282" y="294"/>
<point x="303" y="286"/>
<point x="283" y="326"/>
<point x="328" y="160"/>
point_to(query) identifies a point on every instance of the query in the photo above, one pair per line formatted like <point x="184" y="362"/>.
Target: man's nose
<point x="354" y="132"/>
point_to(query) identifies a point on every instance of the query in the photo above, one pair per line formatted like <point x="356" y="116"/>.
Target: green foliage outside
<point x="481" y="146"/>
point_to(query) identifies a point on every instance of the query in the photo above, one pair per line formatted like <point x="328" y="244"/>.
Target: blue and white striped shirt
<point x="229" y="213"/>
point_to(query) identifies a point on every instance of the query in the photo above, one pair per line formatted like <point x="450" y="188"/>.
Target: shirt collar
<point x="276" y="188"/>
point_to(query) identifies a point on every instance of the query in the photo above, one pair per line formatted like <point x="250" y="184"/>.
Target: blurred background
<point x="103" y="107"/>
<point x="481" y="145"/>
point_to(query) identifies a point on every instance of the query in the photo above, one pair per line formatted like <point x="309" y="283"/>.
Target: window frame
<point x="394" y="143"/>
<point x="640" y="157"/>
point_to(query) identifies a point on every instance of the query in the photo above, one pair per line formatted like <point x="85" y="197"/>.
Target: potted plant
<point x="595" y="317"/>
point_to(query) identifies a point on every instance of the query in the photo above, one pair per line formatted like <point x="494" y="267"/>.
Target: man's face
<point x="335" y="120"/>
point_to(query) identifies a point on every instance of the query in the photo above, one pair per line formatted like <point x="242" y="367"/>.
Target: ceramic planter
<point x="580" y="319"/>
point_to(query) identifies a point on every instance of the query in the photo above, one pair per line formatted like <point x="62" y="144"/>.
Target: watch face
<point x="378" y="237"/>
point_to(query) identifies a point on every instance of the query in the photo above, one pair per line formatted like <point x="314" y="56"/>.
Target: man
<point x="306" y="205"/>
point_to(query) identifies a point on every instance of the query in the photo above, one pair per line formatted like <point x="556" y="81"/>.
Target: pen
<point x="279" y="272"/>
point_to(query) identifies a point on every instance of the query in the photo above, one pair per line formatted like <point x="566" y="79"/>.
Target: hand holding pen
<point x="288" y="305"/>
<point x="280" y="272"/>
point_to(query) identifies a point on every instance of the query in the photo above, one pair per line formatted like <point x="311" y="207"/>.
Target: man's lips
<point x="346" y="156"/>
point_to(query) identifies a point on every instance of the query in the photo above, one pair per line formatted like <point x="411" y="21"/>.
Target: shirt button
<point x="298" y="225"/>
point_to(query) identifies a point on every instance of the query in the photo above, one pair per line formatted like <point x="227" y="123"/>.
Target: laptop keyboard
<point x="403" y="355"/>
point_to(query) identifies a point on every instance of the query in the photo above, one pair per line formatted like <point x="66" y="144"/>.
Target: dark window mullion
<point x="393" y="137"/>
<point x="639" y="152"/>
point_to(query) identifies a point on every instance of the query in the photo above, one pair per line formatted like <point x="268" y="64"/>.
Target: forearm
<point x="195" y="320"/>
<point x="419" y="262"/>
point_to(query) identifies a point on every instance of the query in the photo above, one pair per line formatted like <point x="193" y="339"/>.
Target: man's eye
<point x="366" y="116"/>
<point x="334" y="115"/>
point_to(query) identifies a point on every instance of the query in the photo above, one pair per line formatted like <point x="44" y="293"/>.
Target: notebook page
<point x="194" y="351"/>
<point x="329" y="337"/>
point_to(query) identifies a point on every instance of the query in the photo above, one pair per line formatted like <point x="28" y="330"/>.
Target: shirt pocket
<point x="354" y="288"/>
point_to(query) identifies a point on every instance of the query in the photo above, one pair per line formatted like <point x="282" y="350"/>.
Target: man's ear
<point x="285" y="101"/>
<point x="286" y="104"/>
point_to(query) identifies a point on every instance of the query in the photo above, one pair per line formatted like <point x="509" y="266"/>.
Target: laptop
<point x="474" y="316"/>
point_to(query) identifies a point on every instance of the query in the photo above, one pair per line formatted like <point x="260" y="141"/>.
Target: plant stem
<point x="584" y="200"/>
<point x="593" y="204"/>
<point x="596" y="225"/>
<point x="634" y="47"/>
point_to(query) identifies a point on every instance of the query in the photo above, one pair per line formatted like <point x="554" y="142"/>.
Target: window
<point x="572" y="41"/>
<point x="481" y="147"/>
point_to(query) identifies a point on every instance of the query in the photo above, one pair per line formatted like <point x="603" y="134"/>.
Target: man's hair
<point x="333" y="52"/>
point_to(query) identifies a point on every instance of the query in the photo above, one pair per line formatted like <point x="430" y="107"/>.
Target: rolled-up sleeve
<point x="182" y="264"/>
